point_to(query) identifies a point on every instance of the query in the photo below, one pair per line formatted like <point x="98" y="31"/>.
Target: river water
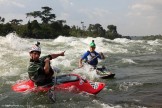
<point x="136" y="63"/>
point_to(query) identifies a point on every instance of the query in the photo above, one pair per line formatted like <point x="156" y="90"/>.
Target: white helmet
<point x="35" y="48"/>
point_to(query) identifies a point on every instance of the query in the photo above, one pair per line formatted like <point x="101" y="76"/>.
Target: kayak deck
<point x="104" y="73"/>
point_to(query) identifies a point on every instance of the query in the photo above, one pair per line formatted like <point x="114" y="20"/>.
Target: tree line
<point x="49" y="28"/>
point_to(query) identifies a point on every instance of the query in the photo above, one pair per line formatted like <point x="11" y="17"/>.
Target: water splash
<point x="87" y="71"/>
<point x="16" y="42"/>
<point x="129" y="61"/>
<point x="126" y="85"/>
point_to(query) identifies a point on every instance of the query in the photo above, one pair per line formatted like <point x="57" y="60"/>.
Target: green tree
<point x="16" y="21"/>
<point x="66" y="30"/>
<point x="75" y="31"/>
<point x="2" y="20"/>
<point x="49" y="28"/>
<point x="34" y="14"/>
<point x="112" y="32"/>
<point x="112" y="28"/>
<point x="5" y="29"/>
<point x="36" y="29"/>
<point x="44" y="15"/>
<point x="29" y="29"/>
<point x="96" y="30"/>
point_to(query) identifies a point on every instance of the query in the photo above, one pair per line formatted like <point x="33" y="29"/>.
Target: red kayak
<point x="69" y="82"/>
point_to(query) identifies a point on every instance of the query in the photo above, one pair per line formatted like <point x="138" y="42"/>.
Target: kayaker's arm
<point x="47" y="65"/>
<point x="84" y="57"/>
<point x="56" y="55"/>
<point x="102" y="56"/>
<point x="47" y="61"/>
<point x="80" y="63"/>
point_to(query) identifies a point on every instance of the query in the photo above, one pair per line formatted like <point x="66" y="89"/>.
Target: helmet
<point x="35" y="48"/>
<point x="92" y="44"/>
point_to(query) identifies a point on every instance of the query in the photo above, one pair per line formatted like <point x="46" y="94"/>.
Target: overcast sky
<point x="132" y="17"/>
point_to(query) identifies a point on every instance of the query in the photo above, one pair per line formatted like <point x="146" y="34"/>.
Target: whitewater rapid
<point x="137" y="64"/>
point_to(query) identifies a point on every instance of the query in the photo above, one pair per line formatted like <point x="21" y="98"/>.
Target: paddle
<point x="93" y="58"/>
<point x="51" y="91"/>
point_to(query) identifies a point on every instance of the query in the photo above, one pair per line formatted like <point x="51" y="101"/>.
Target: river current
<point x="136" y="63"/>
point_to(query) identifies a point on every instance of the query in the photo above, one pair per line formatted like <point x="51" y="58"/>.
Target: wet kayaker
<point x="39" y="68"/>
<point x="91" y="56"/>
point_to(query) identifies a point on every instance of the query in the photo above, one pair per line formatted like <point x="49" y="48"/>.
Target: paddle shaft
<point x="93" y="58"/>
<point x="51" y="92"/>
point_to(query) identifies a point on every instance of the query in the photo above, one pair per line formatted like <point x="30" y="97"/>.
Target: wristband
<point x="50" y="57"/>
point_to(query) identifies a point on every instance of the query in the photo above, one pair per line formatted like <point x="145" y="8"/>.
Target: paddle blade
<point x="52" y="95"/>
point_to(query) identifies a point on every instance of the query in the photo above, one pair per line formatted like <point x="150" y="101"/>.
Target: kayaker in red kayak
<point x="39" y="68"/>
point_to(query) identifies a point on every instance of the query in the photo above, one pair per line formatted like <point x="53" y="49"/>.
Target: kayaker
<point x="91" y="56"/>
<point x="39" y="68"/>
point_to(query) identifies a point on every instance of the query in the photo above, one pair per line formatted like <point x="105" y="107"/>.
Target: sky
<point x="131" y="17"/>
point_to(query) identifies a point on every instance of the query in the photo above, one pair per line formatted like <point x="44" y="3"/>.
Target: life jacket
<point x="92" y="58"/>
<point x="36" y="69"/>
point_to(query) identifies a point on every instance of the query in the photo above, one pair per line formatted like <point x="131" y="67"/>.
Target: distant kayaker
<point x="39" y="68"/>
<point x="91" y="56"/>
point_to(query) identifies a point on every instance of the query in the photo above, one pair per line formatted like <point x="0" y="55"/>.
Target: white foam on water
<point x="86" y="71"/>
<point x="14" y="46"/>
<point x="105" y="105"/>
<point x="24" y="76"/>
<point x="10" y="72"/>
<point x="64" y="39"/>
<point x="3" y="62"/>
<point x="82" y="44"/>
<point x="126" y="85"/>
<point x="12" y="106"/>
<point x="64" y="62"/>
<point x="129" y="61"/>
<point x="16" y="42"/>
<point x="121" y="45"/>
<point x="122" y="40"/>
<point x="156" y="42"/>
<point x="75" y="47"/>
